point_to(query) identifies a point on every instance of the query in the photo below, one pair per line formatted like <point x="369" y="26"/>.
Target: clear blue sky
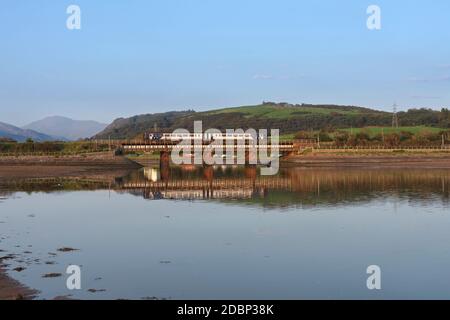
<point x="136" y="56"/>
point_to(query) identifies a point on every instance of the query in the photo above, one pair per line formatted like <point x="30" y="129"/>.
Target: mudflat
<point x="66" y="166"/>
<point x="50" y="171"/>
<point x="100" y="159"/>
<point x="394" y="160"/>
<point x="11" y="289"/>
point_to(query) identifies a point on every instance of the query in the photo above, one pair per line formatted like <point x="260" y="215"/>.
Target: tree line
<point x="363" y="138"/>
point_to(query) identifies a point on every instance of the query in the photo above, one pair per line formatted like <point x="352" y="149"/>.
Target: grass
<point x="143" y="156"/>
<point x="279" y="112"/>
<point x="287" y="137"/>
<point x="373" y="131"/>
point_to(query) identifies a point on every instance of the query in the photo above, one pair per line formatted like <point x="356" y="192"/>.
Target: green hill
<point x="285" y="111"/>
<point x="289" y="118"/>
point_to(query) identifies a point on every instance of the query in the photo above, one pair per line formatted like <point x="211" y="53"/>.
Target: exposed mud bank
<point x="425" y="161"/>
<point x="11" y="289"/>
<point x="103" y="160"/>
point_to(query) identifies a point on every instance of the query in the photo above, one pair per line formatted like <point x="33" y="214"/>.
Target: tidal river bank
<point x="99" y="160"/>
<point x="11" y="289"/>
<point x="385" y="160"/>
<point x="66" y="166"/>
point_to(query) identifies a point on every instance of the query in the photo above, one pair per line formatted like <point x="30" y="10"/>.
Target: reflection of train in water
<point x="205" y="136"/>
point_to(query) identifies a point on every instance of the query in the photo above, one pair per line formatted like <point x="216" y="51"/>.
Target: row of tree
<point x="364" y="138"/>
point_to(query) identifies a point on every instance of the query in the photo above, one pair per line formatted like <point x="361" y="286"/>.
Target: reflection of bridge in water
<point x="294" y="185"/>
<point x="208" y="187"/>
<point x="202" y="189"/>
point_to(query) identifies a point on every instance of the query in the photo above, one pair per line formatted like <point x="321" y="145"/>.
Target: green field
<point x="373" y="131"/>
<point x="281" y="112"/>
<point x="287" y="137"/>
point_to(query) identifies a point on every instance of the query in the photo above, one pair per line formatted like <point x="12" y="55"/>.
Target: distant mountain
<point x="18" y="134"/>
<point x="66" y="128"/>
<point x="288" y="118"/>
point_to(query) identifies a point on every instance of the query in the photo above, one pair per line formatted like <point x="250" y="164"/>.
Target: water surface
<point x="227" y="233"/>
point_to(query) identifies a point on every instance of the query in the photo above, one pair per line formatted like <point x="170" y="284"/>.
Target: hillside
<point x="66" y="128"/>
<point x="289" y="118"/>
<point x="18" y="134"/>
<point x="285" y="110"/>
<point x="135" y="126"/>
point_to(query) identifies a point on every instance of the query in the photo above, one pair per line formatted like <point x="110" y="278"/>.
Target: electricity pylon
<point x="394" y="116"/>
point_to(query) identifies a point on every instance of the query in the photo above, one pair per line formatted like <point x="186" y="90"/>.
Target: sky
<point x="144" y="56"/>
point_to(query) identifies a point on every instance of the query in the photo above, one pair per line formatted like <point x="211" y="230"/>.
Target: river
<point x="228" y="233"/>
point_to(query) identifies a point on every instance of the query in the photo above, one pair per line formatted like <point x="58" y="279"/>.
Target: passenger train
<point x="202" y="136"/>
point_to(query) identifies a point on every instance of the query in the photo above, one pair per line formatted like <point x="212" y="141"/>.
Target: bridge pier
<point x="251" y="157"/>
<point x="164" y="165"/>
<point x="208" y="173"/>
<point x="250" y="172"/>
